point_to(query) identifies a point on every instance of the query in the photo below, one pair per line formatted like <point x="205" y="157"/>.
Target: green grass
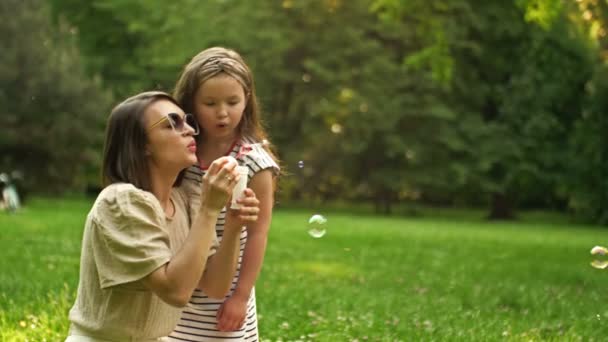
<point x="369" y="279"/>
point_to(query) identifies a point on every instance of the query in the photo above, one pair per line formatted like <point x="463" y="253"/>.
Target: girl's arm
<point x="233" y="311"/>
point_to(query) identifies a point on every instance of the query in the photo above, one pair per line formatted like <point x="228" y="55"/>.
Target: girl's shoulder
<point x="254" y="155"/>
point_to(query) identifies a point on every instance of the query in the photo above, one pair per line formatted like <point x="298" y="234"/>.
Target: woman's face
<point x="170" y="147"/>
<point x="218" y="106"/>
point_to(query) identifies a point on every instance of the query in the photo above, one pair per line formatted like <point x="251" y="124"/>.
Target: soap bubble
<point x="316" y="226"/>
<point x="599" y="264"/>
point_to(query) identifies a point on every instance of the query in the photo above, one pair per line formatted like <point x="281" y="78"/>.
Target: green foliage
<point x="542" y="12"/>
<point x="449" y="102"/>
<point x="589" y="154"/>
<point x="515" y="109"/>
<point x="382" y="278"/>
<point x="432" y="24"/>
<point x="589" y="151"/>
<point x="360" y="111"/>
<point x="52" y="113"/>
<point x="358" y="96"/>
<point x="113" y="40"/>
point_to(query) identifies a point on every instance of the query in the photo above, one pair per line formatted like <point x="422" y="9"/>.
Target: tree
<point x="340" y="88"/>
<point x="447" y="101"/>
<point x="588" y="153"/>
<point x="51" y="112"/>
<point x="515" y="110"/>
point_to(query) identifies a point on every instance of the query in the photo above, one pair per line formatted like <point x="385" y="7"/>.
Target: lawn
<point x="370" y="278"/>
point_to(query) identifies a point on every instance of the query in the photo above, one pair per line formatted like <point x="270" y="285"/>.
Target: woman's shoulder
<point x="124" y="192"/>
<point x="124" y="199"/>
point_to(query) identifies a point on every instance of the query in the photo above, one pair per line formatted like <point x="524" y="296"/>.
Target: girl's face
<point x="170" y="147"/>
<point x="218" y="106"/>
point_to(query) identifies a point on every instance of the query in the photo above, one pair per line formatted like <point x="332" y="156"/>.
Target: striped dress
<point x="199" y="318"/>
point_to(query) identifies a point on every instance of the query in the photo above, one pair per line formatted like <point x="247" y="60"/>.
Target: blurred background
<point x="498" y="105"/>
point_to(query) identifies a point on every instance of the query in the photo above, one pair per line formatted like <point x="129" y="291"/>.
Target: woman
<point x="146" y="243"/>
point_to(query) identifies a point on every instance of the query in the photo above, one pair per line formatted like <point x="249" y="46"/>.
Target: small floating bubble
<point x="316" y="226"/>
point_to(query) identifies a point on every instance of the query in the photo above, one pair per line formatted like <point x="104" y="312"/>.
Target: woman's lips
<point x="192" y="147"/>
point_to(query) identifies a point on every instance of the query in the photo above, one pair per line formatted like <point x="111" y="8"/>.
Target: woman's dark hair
<point x="124" y="159"/>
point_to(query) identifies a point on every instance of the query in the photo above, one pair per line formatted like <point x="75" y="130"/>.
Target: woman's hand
<point x="250" y="207"/>
<point x="218" y="182"/>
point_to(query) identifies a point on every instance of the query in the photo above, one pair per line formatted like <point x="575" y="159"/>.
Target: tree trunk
<point x="502" y="207"/>
<point x="382" y="202"/>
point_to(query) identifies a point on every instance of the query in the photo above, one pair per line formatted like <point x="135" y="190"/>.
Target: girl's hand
<point x="218" y="183"/>
<point x="250" y="207"/>
<point x="231" y="315"/>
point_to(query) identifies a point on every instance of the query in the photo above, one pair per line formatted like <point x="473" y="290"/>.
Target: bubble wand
<point x="243" y="170"/>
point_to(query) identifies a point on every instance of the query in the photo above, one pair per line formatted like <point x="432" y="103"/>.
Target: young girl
<point x="146" y="243"/>
<point x="217" y="86"/>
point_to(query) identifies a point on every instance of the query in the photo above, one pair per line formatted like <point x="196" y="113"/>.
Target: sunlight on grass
<point x="326" y="269"/>
<point x="43" y="320"/>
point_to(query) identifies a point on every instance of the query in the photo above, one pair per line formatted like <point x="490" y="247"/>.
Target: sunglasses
<point x="178" y="122"/>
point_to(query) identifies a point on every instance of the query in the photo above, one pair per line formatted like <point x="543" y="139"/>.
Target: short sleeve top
<point x="126" y="237"/>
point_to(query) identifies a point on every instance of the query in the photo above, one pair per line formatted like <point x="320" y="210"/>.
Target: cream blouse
<point x="126" y="237"/>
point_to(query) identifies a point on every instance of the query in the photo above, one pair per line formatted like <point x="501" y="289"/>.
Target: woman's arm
<point x="175" y="281"/>
<point x="221" y="266"/>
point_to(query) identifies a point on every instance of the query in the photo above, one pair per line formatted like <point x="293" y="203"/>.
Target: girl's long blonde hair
<point x="212" y="62"/>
